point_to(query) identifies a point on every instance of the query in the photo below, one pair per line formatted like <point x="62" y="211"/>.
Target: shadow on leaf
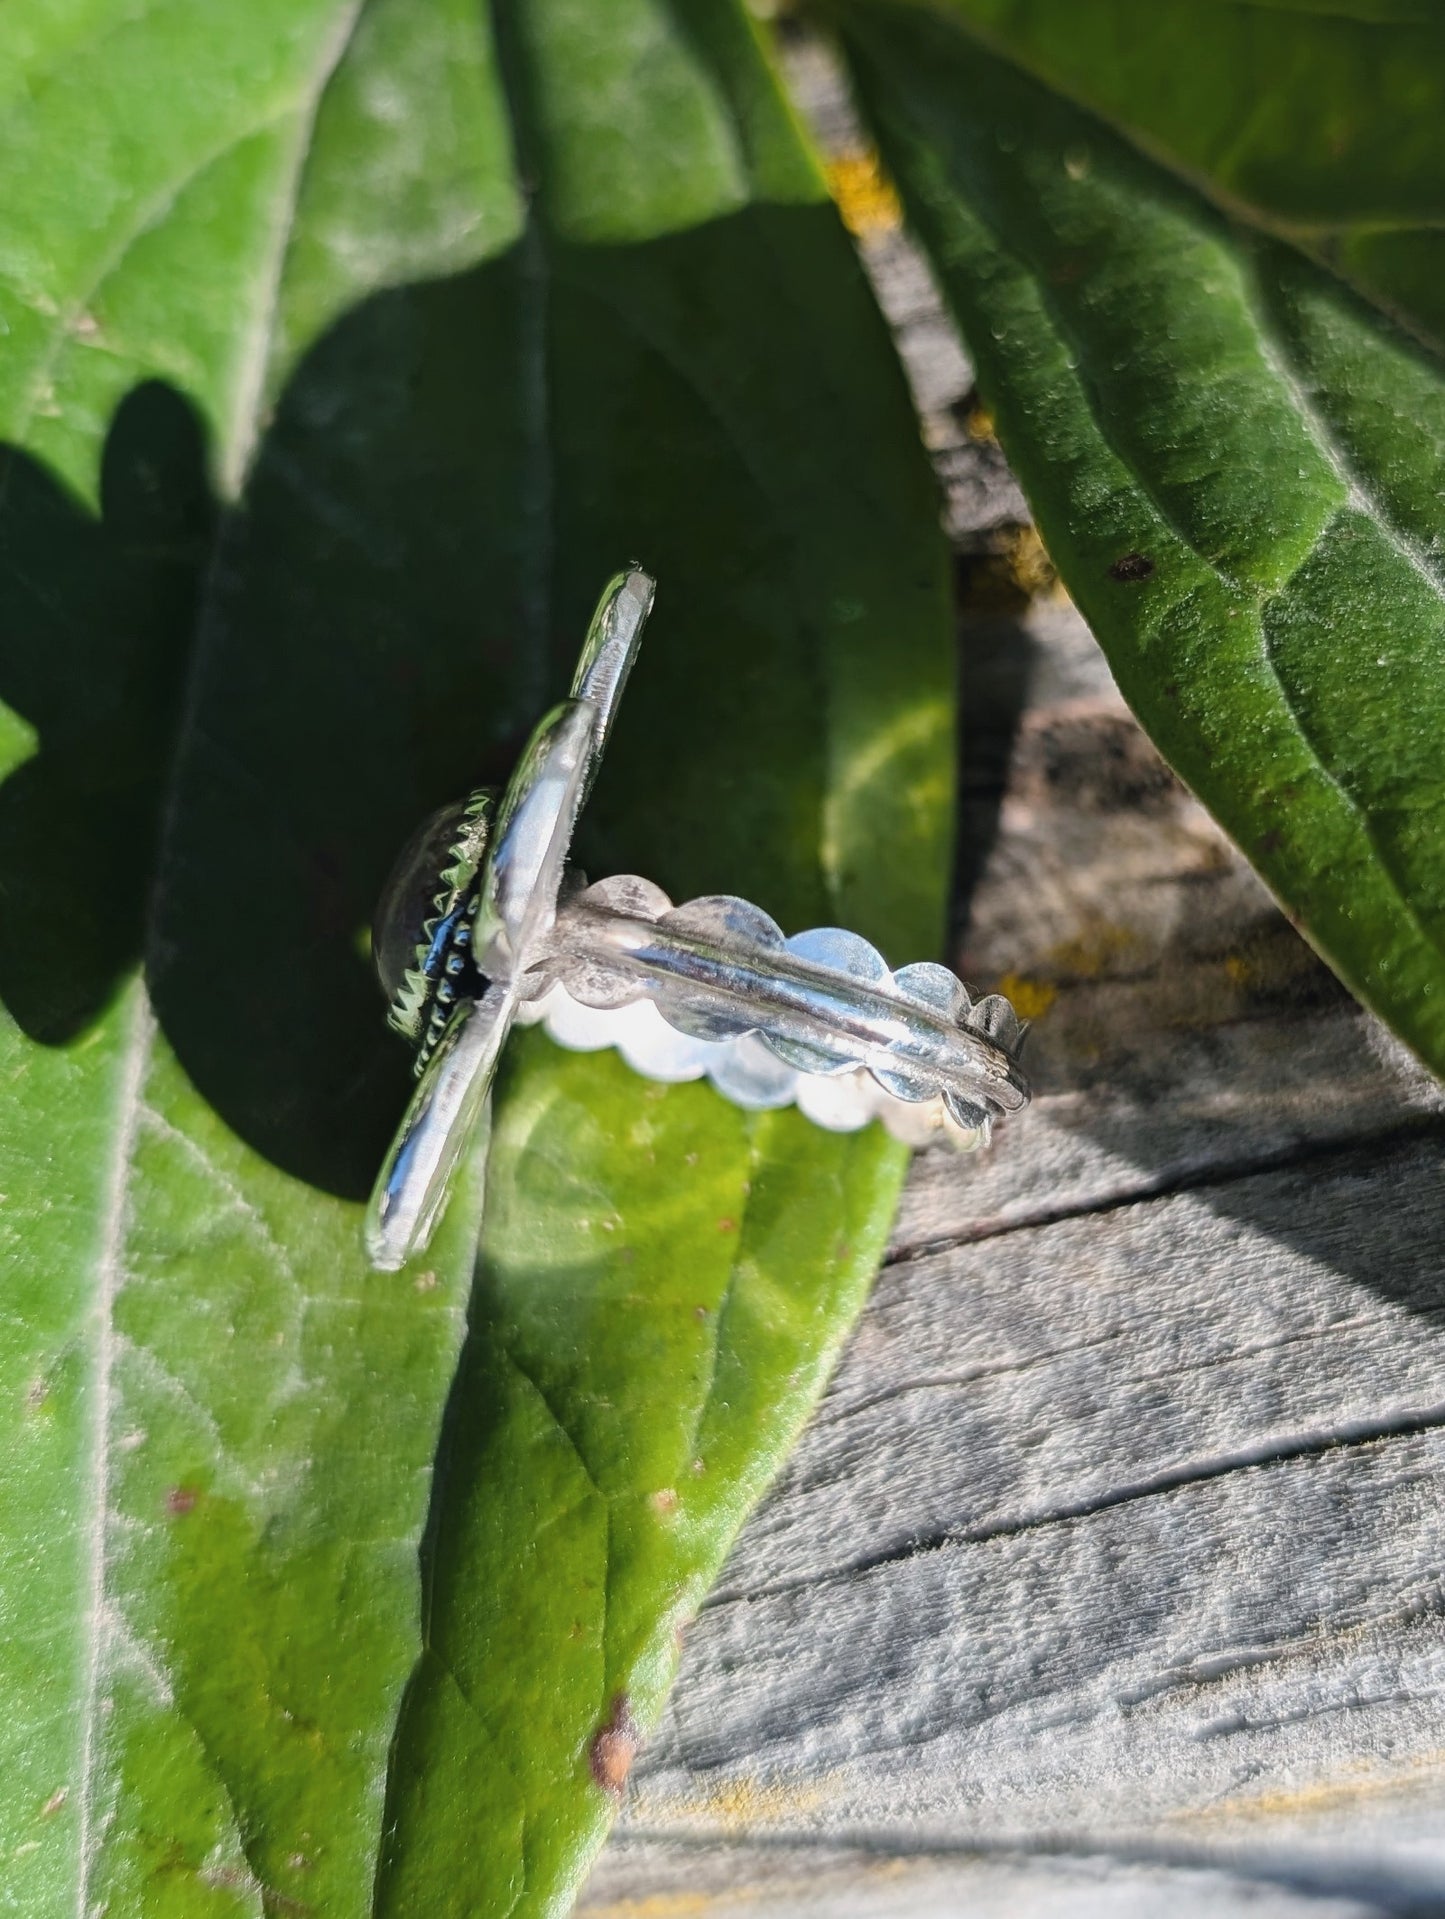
<point x="443" y="485"/>
<point x="96" y="616"/>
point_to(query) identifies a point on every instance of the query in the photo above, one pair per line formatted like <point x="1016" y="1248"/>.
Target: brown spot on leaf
<point x="425" y="1282"/>
<point x="55" y="1802"/>
<point x="613" y="1746"/>
<point x="1133" y="566"/>
<point x="180" y="1500"/>
<point x="699" y="1312"/>
<point x="727" y="1225"/>
<point x="664" y="1500"/>
<point x="1269" y="842"/>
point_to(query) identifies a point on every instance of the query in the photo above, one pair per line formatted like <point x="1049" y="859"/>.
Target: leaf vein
<point x="256" y="353"/>
<point x="229" y="1188"/>
<point x="1363" y="495"/>
<point x="725" y="1299"/>
<point x="134" y="1062"/>
<point x="528" y="1379"/>
<point x="161" y="1376"/>
<point x="152" y="215"/>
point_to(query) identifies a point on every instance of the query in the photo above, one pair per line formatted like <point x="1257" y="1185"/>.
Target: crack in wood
<point x="1215" y="1173"/>
<point x="1409" y="1422"/>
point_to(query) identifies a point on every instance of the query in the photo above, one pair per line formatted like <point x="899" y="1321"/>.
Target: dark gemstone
<point x="410" y="897"/>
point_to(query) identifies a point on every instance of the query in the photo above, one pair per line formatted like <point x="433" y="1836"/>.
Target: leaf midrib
<point x="1360" y="492"/>
<point x="257" y="355"/>
<point x="135" y="1056"/>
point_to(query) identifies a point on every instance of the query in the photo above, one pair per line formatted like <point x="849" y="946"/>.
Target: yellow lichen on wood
<point x="736" y="1803"/>
<point x="1030" y="567"/>
<point x="864" y="194"/>
<point x="1096" y="950"/>
<point x="1030" y="998"/>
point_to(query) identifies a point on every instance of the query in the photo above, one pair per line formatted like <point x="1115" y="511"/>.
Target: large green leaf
<point x="202" y="1470"/>
<point x="642" y="1353"/>
<point x="1238" y="467"/>
<point x="320" y="439"/>
<point x="1321" y="120"/>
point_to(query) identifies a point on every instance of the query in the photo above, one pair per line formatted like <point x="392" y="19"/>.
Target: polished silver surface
<point x="608" y="652"/>
<point x="711" y="989"/>
<point x="523" y="872"/>
<point x="445" y="1119"/>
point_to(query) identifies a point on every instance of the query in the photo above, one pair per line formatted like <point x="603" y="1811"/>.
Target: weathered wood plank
<point x="1111" y="1576"/>
<point x="1102" y="1521"/>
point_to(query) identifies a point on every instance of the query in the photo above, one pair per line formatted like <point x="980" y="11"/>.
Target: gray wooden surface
<point x="1110" y="1578"/>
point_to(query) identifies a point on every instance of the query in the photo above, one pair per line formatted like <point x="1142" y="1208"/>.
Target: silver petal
<point x="731" y="926"/>
<point x="998" y="1020"/>
<point x="747" y="1073"/>
<point x="443" y="1118"/>
<point x="841" y="952"/>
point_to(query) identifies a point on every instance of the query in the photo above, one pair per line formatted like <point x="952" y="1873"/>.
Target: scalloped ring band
<point x="485" y="926"/>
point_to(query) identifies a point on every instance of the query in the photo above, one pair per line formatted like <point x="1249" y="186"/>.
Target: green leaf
<point x="1237" y="466"/>
<point x="1322" y="121"/>
<point x="322" y="430"/>
<point x="642" y="1354"/>
<point x="217" y="1426"/>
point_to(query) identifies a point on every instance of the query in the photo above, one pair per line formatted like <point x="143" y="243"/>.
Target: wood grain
<point x="1110" y="1577"/>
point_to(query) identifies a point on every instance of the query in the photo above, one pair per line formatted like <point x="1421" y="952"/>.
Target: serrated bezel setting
<point x="441" y="966"/>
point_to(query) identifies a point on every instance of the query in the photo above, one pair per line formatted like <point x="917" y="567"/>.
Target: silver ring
<point x="483" y="925"/>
